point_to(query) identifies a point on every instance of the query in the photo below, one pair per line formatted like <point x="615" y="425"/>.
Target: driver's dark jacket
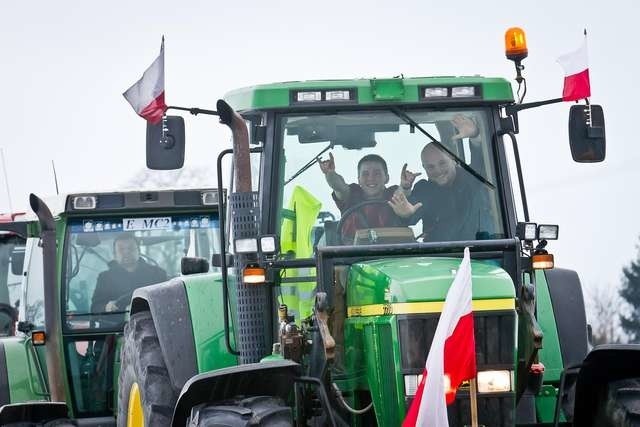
<point x="376" y="215"/>
<point x="456" y="212"/>
<point x="116" y="283"/>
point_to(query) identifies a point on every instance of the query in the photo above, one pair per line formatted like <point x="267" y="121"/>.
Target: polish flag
<point x="576" y="71"/>
<point x="146" y="96"/>
<point x="452" y="357"/>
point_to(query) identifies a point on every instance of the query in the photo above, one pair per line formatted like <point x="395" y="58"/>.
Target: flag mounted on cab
<point x="146" y="96"/>
<point x="576" y="71"/>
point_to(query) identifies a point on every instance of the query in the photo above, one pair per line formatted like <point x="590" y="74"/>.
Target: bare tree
<point x="147" y="179"/>
<point x="603" y="312"/>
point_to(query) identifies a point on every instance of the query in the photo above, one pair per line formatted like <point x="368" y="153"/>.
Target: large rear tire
<point x="620" y="405"/>
<point x="261" y="411"/>
<point x="145" y="394"/>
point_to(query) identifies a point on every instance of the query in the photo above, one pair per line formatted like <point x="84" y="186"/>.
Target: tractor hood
<point x="422" y="279"/>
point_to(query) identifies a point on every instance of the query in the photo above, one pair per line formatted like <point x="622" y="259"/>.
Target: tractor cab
<point x="110" y="245"/>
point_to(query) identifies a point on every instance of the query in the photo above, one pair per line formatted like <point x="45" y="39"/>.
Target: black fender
<point x="569" y="311"/>
<point x="605" y="363"/>
<point x="34" y="412"/>
<point x="169" y="309"/>
<point x="273" y="378"/>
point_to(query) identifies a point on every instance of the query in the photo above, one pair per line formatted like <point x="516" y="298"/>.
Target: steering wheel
<point x="358" y="210"/>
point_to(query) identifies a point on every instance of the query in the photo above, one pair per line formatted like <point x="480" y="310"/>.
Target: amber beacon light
<point x="515" y="44"/>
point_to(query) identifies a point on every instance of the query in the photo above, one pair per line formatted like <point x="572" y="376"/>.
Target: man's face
<point x="127" y="254"/>
<point x="372" y="179"/>
<point x="440" y="168"/>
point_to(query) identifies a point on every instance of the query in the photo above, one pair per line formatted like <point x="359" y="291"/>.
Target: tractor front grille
<point x="495" y="344"/>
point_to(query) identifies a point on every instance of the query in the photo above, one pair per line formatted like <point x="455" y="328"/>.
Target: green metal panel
<point x="25" y="383"/>
<point x="421" y="279"/>
<point x="372" y="360"/>
<point x="550" y="354"/>
<point x="279" y="95"/>
<point x="204" y="294"/>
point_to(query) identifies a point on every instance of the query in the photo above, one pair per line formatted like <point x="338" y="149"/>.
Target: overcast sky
<point x="65" y="65"/>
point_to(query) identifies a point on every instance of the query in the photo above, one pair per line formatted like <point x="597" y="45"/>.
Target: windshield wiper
<point x="404" y="116"/>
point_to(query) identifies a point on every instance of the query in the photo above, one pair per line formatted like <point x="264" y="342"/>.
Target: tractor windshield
<point x="106" y="259"/>
<point x="341" y="172"/>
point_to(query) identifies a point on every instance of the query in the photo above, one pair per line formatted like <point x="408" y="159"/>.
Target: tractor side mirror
<point x="193" y="265"/>
<point x="165" y="144"/>
<point x="586" y="133"/>
<point x="17" y="261"/>
<point x="88" y="240"/>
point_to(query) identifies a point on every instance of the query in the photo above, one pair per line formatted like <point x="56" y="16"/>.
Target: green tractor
<point x="64" y="361"/>
<point x="331" y="317"/>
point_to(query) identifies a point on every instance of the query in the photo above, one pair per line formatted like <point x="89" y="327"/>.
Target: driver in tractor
<point x="127" y="272"/>
<point x="373" y="177"/>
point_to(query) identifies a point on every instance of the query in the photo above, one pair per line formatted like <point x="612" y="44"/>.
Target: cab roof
<point x="371" y="92"/>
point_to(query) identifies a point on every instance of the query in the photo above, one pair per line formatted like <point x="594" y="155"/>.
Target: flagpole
<point x="473" y="394"/>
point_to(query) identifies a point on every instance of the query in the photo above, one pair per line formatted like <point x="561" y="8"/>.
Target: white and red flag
<point x="452" y="356"/>
<point x="576" y="73"/>
<point x="146" y="96"/>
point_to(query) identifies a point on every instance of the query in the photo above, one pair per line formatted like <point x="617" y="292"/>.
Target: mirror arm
<point x="194" y="110"/>
<point x="514" y="108"/>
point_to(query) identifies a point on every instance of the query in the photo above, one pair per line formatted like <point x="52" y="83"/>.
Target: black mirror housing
<point x="166" y="152"/>
<point x="587" y="133"/>
<point x="17" y="261"/>
<point x="193" y="265"/>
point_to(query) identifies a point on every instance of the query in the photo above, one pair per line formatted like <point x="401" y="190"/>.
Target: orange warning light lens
<point x="542" y="261"/>
<point x="38" y="337"/>
<point x="515" y="44"/>
<point x="254" y="275"/>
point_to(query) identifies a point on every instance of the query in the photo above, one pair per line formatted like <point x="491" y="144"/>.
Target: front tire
<point x="620" y="404"/>
<point x="145" y="394"/>
<point x="260" y="411"/>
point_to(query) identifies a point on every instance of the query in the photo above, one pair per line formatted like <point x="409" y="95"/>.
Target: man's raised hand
<point x="401" y="205"/>
<point x="407" y="177"/>
<point x="465" y="126"/>
<point x="327" y="166"/>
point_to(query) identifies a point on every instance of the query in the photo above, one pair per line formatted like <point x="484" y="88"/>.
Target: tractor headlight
<point x="548" y="232"/>
<point x="84" y="202"/>
<point x="245" y="246"/>
<point x="435" y="92"/>
<point x="209" y="198"/>
<point x="463" y="91"/>
<point x="527" y="231"/>
<point x="494" y="381"/>
<point x="411" y="383"/>
<point x="268" y="244"/>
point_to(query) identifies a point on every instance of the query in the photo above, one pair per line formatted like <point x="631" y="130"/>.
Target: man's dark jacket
<point x="118" y="284"/>
<point x="457" y="212"/>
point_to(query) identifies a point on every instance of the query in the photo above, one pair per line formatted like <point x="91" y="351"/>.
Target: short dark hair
<point x="125" y="236"/>
<point x="373" y="158"/>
